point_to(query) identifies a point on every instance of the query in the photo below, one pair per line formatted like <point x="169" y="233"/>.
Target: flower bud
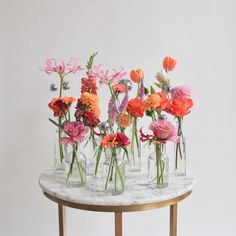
<point x="162" y="77"/>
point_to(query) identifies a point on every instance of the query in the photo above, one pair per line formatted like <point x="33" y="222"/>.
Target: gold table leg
<point x="173" y="220"/>
<point x="62" y="220"/>
<point x="118" y="224"/>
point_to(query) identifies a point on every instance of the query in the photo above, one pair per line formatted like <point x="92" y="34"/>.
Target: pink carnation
<point x="76" y="132"/>
<point x="181" y="92"/>
<point x="164" y="131"/>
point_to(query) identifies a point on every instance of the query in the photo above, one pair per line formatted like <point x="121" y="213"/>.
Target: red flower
<point x="122" y="140"/>
<point x="89" y="119"/>
<point x="119" y="88"/>
<point x="89" y="85"/>
<point x="164" y="102"/>
<point x="169" y="63"/>
<point x="135" y="107"/>
<point x="60" y="105"/>
<point x="179" y="107"/>
<point x="137" y="75"/>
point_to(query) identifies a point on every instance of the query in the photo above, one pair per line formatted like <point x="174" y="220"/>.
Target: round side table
<point x="139" y="196"/>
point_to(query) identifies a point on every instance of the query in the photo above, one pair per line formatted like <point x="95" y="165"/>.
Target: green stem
<point x="59" y="140"/>
<point x="120" y="175"/>
<point x="132" y="141"/>
<point x="159" y="166"/>
<point x="108" y="174"/>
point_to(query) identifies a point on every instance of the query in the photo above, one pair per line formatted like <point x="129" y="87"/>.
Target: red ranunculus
<point x="122" y="140"/>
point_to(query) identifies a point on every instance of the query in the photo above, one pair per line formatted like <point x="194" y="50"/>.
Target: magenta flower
<point x="164" y="131"/>
<point x="181" y="92"/>
<point x="71" y="67"/>
<point x="76" y="132"/>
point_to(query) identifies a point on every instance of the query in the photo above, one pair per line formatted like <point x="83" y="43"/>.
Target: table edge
<point x="125" y="208"/>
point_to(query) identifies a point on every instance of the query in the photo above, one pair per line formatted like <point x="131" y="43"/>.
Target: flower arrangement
<point x="124" y="114"/>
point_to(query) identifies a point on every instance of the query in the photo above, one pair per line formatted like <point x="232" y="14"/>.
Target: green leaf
<point x="146" y="91"/>
<point x="149" y="113"/>
<point x="98" y="158"/>
<point x="90" y="61"/>
<point x="55" y="123"/>
<point x="152" y="90"/>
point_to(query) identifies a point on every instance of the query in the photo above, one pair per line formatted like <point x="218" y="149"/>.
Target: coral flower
<point x="169" y="63"/>
<point x="137" y="75"/>
<point x="60" y="105"/>
<point x="119" y="88"/>
<point x="180" y="107"/>
<point x="89" y="102"/>
<point x="123" y="120"/>
<point x="89" y="85"/>
<point x="164" y="102"/>
<point x="122" y="140"/>
<point x="109" y="141"/>
<point x="152" y="101"/>
<point x="135" y="107"/>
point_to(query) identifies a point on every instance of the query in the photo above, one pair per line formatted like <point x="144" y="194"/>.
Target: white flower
<point x="162" y="77"/>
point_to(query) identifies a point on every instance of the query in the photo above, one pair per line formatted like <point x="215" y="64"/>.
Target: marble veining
<point x="137" y="190"/>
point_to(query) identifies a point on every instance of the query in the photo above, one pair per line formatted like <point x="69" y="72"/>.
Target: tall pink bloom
<point x="76" y="132"/>
<point x="164" y="131"/>
<point x="181" y="92"/>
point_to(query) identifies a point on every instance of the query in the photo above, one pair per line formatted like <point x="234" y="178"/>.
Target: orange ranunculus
<point x="152" y="101"/>
<point x="169" y="63"/>
<point x="123" y="120"/>
<point x="135" y="107"/>
<point x="164" y="102"/>
<point x="136" y="75"/>
<point x="60" y="105"/>
<point x="109" y="141"/>
<point x="180" y="107"/>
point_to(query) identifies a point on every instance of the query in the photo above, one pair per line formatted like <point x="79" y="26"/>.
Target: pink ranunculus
<point x="181" y="92"/>
<point x="164" y="131"/>
<point x="76" y="132"/>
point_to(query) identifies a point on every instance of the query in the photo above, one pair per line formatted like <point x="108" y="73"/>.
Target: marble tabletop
<point x="137" y="190"/>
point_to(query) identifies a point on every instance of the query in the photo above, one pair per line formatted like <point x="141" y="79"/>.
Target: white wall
<point x="200" y="34"/>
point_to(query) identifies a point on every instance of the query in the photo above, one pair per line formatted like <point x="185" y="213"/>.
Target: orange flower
<point x="180" y="107"/>
<point x="109" y="141"/>
<point x="60" y="105"/>
<point x="137" y="75"/>
<point x="91" y="102"/>
<point x="152" y="101"/>
<point x="135" y="107"/>
<point x="169" y="63"/>
<point x="89" y="85"/>
<point x="123" y="120"/>
<point x="164" y="102"/>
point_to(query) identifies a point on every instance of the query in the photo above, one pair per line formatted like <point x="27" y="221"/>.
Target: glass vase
<point x="135" y="149"/>
<point x="114" y="173"/>
<point x="180" y="151"/>
<point x="158" y="167"/>
<point x="75" y="161"/>
<point x="59" y="153"/>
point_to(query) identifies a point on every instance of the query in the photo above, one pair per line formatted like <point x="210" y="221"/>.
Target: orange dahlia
<point x="152" y="101"/>
<point x="91" y="102"/>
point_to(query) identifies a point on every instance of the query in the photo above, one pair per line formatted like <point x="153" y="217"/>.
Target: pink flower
<point x="76" y="132"/>
<point x="164" y="131"/>
<point x="71" y="67"/>
<point x="119" y="88"/>
<point x="181" y="92"/>
<point x="105" y="76"/>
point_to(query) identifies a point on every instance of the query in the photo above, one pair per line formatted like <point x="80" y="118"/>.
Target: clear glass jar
<point x="59" y="153"/>
<point x="75" y="161"/>
<point x="114" y="173"/>
<point x="158" y="167"/>
<point x="180" y="151"/>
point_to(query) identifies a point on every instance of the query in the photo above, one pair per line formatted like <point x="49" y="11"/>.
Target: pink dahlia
<point x="181" y="92"/>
